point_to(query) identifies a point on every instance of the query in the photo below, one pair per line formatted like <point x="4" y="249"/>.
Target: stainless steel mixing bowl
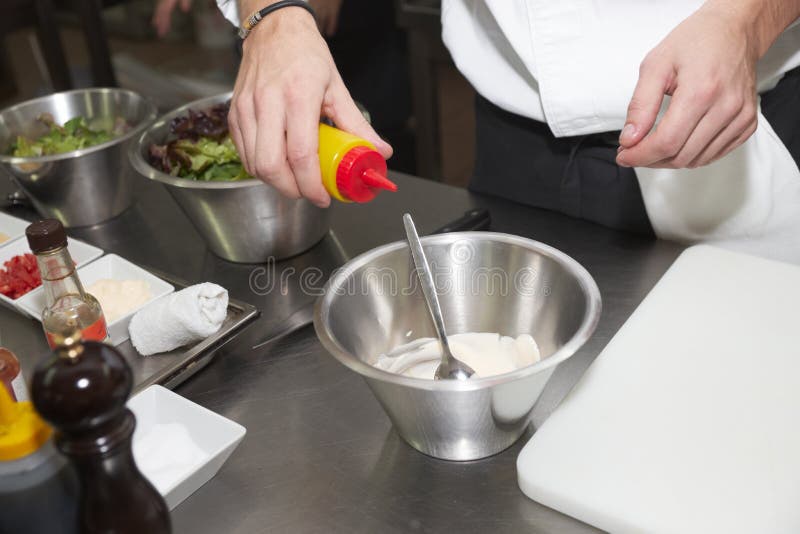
<point x="487" y="282"/>
<point x="83" y="187"/>
<point x="246" y="221"/>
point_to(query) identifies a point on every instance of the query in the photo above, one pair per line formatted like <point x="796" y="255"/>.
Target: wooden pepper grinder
<point x="81" y="389"/>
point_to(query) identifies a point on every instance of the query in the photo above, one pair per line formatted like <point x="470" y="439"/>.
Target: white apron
<point x="748" y="201"/>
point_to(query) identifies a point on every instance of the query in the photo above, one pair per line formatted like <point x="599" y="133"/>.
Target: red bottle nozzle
<point x="373" y="178"/>
<point x="361" y="174"/>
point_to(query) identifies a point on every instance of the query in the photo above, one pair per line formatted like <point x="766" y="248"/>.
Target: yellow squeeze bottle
<point x="352" y="169"/>
<point x="22" y="431"/>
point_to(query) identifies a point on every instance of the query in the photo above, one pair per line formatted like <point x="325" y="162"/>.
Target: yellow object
<point x="334" y="144"/>
<point x="22" y="431"/>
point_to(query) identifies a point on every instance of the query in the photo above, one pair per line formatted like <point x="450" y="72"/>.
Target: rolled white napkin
<point x="191" y="314"/>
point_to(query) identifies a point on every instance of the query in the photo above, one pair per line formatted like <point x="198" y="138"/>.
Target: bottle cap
<point x="361" y="174"/>
<point x="22" y="431"/>
<point x="46" y="235"/>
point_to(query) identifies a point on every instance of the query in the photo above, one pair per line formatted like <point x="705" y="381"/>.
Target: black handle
<point x="474" y="219"/>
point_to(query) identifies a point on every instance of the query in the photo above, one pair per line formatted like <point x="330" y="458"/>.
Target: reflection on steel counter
<point x="284" y="291"/>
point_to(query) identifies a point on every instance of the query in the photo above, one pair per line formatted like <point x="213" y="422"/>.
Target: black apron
<point x="521" y="160"/>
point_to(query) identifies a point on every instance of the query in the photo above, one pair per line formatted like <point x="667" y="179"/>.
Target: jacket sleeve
<point x="230" y="9"/>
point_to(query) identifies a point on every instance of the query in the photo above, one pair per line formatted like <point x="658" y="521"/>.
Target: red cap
<point x="361" y="174"/>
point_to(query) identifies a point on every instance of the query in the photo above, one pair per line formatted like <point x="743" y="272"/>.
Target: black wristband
<point x="255" y="18"/>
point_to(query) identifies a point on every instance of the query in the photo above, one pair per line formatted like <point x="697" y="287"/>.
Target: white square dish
<point x="82" y="254"/>
<point x="216" y="436"/>
<point x="109" y="267"/>
<point x="12" y="227"/>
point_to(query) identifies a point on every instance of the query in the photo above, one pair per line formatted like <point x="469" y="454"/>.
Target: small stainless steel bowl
<point x="246" y="221"/>
<point x="82" y="187"/>
<point x="487" y="282"/>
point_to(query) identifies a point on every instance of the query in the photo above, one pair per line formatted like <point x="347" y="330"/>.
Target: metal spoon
<point x="450" y="368"/>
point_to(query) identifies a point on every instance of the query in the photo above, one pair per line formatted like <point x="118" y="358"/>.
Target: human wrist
<point x="760" y="22"/>
<point x="287" y="14"/>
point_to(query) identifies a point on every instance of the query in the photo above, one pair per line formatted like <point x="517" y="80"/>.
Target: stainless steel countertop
<point x="320" y="455"/>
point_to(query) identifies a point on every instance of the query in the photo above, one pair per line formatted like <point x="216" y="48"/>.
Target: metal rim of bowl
<point x="142" y="125"/>
<point x="148" y="171"/>
<point x="587" y="327"/>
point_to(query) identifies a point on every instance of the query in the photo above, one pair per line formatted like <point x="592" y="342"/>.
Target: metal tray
<point x="172" y="368"/>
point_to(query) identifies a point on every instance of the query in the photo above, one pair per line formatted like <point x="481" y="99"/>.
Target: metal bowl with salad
<point x="66" y="151"/>
<point x="241" y="219"/>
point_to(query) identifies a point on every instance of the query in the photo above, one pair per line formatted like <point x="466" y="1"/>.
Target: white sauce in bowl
<point x="488" y="354"/>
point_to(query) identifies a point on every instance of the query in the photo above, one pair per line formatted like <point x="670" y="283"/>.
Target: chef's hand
<point x="286" y="81"/>
<point x="327" y="15"/>
<point x="162" y="15"/>
<point x="708" y="66"/>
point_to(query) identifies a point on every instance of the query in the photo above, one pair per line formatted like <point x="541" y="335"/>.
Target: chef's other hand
<point x="162" y="15"/>
<point x="286" y="81"/>
<point x="707" y="64"/>
<point x="327" y="15"/>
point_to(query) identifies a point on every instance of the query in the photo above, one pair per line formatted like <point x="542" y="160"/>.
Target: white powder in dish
<point x="118" y="297"/>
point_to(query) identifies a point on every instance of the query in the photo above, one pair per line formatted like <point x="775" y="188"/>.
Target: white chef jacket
<point x="574" y="65"/>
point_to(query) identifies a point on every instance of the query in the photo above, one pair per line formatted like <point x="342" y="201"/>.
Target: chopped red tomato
<point x="21" y="274"/>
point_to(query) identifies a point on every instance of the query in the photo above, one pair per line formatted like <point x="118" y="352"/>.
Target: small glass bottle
<point x="68" y="306"/>
<point x="11" y="376"/>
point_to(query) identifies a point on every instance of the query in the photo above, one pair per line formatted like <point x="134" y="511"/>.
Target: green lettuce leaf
<point x="211" y="160"/>
<point x="74" y="135"/>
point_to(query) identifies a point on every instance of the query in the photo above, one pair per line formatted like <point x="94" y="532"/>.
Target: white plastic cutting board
<point x="689" y="420"/>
